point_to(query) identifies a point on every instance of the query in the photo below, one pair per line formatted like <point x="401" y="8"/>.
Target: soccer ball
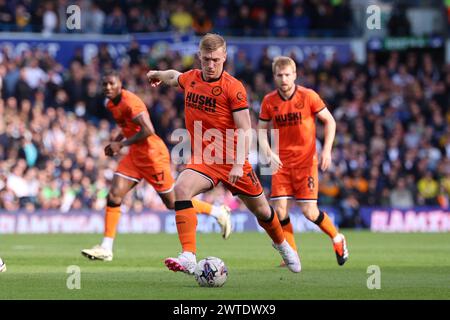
<point x="211" y="272"/>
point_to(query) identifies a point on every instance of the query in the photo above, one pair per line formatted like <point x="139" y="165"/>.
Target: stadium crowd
<point x="392" y="145"/>
<point x="253" y="18"/>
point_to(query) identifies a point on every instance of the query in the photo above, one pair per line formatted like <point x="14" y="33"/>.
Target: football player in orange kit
<point x="148" y="158"/>
<point x="216" y="102"/>
<point x="293" y="110"/>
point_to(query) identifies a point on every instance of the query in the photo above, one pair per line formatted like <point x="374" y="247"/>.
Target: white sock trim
<point x="189" y="255"/>
<point x="216" y="211"/>
<point x="337" y="238"/>
<point x="107" y="243"/>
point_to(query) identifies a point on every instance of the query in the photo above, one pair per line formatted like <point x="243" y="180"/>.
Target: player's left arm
<point x="244" y="126"/>
<point x="330" y="130"/>
<point x="147" y="129"/>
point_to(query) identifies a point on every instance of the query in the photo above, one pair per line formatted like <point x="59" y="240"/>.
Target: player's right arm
<point x="119" y="137"/>
<point x="265" y="117"/>
<point x="243" y="124"/>
<point x="275" y="162"/>
<point x="168" y="77"/>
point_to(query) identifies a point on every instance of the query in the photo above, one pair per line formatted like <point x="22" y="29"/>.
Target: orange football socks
<point x="186" y="220"/>
<point x="112" y="217"/>
<point x="288" y="231"/>
<point x="326" y="225"/>
<point x="202" y="206"/>
<point x="273" y="228"/>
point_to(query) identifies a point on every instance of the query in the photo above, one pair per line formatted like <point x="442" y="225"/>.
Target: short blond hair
<point x="283" y="61"/>
<point x="212" y="42"/>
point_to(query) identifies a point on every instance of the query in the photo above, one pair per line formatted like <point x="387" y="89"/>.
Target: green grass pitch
<point x="413" y="266"/>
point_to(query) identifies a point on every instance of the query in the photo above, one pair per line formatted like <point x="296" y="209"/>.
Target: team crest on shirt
<point x="192" y="84"/>
<point x="299" y="105"/>
<point x="216" y="90"/>
<point x="275" y="108"/>
<point x="240" y="96"/>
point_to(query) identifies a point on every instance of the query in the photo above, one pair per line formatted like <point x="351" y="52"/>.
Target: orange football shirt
<point x="128" y="108"/>
<point x="209" y="105"/>
<point x="295" y="120"/>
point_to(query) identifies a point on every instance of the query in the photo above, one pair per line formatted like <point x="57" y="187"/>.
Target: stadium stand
<point x="393" y="136"/>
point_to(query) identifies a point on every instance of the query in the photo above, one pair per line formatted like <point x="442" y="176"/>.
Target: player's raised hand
<point x="153" y="78"/>
<point x="235" y="174"/>
<point x="325" y="160"/>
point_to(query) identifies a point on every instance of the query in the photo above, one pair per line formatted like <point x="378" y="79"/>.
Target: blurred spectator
<point x="328" y="189"/>
<point x="10" y="80"/>
<point x="23" y="89"/>
<point x="6" y="17"/>
<point x="202" y="24"/>
<point x="444" y="197"/>
<point x="104" y="57"/>
<point x="22" y="17"/>
<point x="350" y="212"/>
<point x="149" y="21"/>
<point x="50" y="19"/>
<point x="324" y="19"/>
<point x="299" y="23"/>
<point x="16" y="183"/>
<point x="428" y="189"/>
<point x="260" y="24"/>
<point x="398" y="24"/>
<point x="29" y="150"/>
<point x="134" y="22"/>
<point x="134" y="53"/>
<point x="222" y="21"/>
<point x="181" y="20"/>
<point x="35" y="77"/>
<point x="95" y="19"/>
<point x="74" y="86"/>
<point x="279" y="23"/>
<point x="401" y="197"/>
<point x="242" y="24"/>
<point x="344" y="17"/>
<point x="116" y="22"/>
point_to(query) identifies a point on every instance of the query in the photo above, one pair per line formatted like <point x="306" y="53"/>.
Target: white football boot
<point x="224" y="221"/>
<point x="340" y="247"/>
<point x="185" y="262"/>
<point x="98" y="253"/>
<point x="289" y="255"/>
<point x="2" y="266"/>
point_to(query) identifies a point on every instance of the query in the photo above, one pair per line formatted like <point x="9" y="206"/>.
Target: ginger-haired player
<point x="148" y="159"/>
<point x="293" y="109"/>
<point x="215" y="100"/>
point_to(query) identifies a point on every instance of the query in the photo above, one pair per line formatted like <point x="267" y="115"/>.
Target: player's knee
<point x="282" y="214"/>
<point x="170" y="205"/>
<point x="310" y="211"/>
<point x="262" y="211"/>
<point x="281" y="211"/>
<point x="114" y="199"/>
<point x="182" y="192"/>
